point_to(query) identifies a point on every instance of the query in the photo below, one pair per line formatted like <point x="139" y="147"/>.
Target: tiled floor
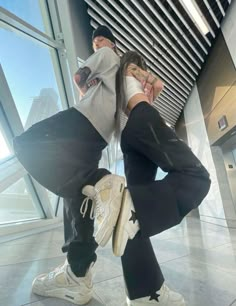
<point x="198" y="259"/>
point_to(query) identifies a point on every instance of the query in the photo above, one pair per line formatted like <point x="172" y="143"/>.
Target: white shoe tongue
<point x="89" y="191"/>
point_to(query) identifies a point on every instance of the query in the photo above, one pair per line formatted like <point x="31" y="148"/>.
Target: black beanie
<point x="105" y="32"/>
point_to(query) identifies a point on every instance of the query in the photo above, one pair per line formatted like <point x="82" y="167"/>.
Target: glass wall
<point x="32" y="88"/>
<point x="5" y="150"/>
<point x="33" y="12"/>
<point x="30" y="76"/>
<point x="16" y="204"/>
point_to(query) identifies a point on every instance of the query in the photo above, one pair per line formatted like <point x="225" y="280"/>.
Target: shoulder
<point x="106" y="56"/>
<point x="103" y="55"/>
<point x="108" y="52"/>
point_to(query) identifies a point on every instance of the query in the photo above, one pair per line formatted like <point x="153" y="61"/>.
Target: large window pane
<point x="16" y="204"/>
<point x="53" y="198"/>
<point x="29" y="69"/>
<point x="5" y="150"/>
<point x="33" y="12"/>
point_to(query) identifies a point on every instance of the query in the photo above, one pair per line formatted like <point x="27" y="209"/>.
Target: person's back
<point x="98" y="104"/>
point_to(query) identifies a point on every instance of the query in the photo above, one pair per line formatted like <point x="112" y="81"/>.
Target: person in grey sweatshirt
<point x="62" y="153"/>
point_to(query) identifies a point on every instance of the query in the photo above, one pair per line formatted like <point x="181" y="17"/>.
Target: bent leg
<point x="162" y="204"/>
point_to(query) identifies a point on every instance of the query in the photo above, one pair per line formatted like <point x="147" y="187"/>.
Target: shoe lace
<point x="84" y="207"/>
<point x="96" y="209"/>
<point x="52" y="274"/>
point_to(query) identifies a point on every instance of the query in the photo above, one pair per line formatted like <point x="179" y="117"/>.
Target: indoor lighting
<point x="191" y="7"/>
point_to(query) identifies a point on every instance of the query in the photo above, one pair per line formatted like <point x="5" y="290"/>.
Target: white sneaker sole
<point x="64" y="294"/>
<point x="120" y="236"/>
<point x="106" y="229"/>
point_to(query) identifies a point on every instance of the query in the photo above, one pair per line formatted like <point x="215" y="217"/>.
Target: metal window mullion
<point x="10" y="172"/>
<point x="14" y="22"/>
<point x="16" y="126"/>
<point x="6" y="130"/>
<point x="61" y="66"/>
<point x="44" y="8"/>
<point x="40" y="197"/>
<point x="9" y="106"/>
<point x="57" y="59"/>
<point x="57" y="206"/>
<point x="36" y="200"/>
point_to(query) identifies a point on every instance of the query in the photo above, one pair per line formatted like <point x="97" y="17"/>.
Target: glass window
<point x="33" y="12"/>
<point x="160" y="174"/>
<point x="5" y="150"/>
<point x="29" y="71"/>
<point x="53" y="200"/>
<point x="16" y="204"/>
<point x="234" y="155"/>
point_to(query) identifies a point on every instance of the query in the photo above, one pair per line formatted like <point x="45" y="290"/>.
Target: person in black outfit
<point x="151" y="206"/>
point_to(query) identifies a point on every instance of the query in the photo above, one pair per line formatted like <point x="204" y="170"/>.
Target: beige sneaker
<point x="107" y="197"/>
<point x="127" y="225"/>
<point x="62" y="283"/>
<point x="163" y="297"/>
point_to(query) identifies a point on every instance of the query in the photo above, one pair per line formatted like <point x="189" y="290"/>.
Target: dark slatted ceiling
<point x="168" y="38"/>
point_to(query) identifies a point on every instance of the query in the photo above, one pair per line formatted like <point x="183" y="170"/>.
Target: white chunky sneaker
<point x="62" y="283"/>
<point x="107" y="197"/>
<point x="163" y="297"/>
<point x="127" y="225"/>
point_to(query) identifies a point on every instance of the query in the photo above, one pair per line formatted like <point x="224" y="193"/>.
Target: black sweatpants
<point x="62" y="153"/>
<point x="148" y="143"/>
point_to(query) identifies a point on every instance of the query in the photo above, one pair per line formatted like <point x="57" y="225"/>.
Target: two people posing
<point x="63" y="152"/>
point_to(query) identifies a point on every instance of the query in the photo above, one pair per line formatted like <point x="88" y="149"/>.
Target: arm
<point x="151" y="84"/>
<point x="97" y="63"/>
<point x="80" y="79"/>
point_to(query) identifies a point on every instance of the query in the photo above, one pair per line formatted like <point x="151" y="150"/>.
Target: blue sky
<point x="26" y="64"/>
<point x="28" y="10"/>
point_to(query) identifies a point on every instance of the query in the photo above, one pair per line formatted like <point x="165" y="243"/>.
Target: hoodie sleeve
<point x="100" y="61"/>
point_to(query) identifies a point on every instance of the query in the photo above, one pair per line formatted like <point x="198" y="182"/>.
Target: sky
<point x="26" y="64"/>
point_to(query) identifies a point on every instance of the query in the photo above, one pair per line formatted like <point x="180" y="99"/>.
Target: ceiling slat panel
<point x="169" y="39"/>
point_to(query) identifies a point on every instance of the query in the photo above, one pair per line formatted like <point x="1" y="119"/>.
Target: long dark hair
<point x="130" y="57"/>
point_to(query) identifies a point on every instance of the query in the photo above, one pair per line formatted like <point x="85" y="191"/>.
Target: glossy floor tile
<point x="198" y="259"/>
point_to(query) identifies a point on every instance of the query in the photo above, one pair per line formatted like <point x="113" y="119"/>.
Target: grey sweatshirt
<point x="98" y="105"/>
